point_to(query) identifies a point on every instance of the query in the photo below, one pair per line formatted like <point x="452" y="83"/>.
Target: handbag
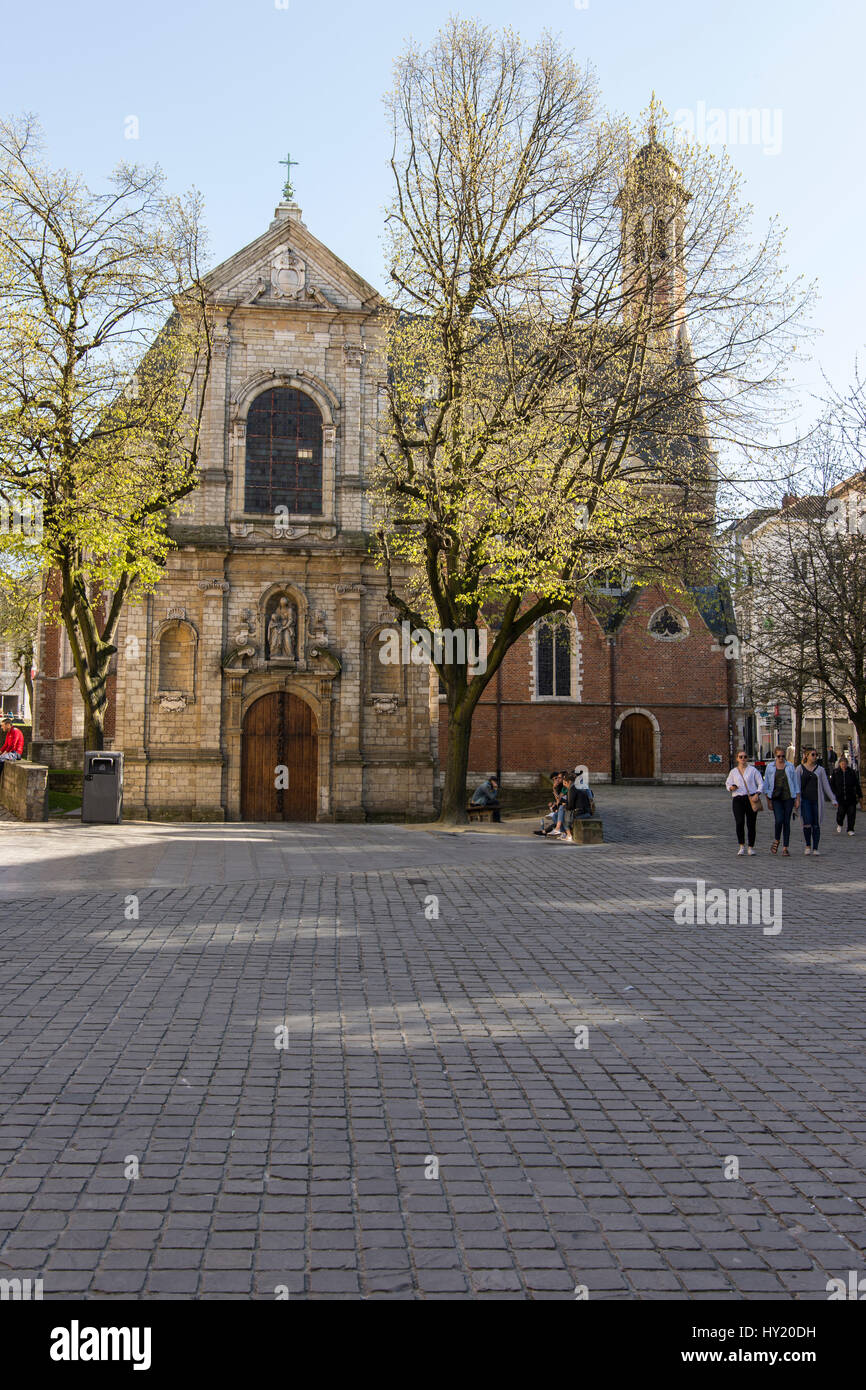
<point x="754" y="797"/>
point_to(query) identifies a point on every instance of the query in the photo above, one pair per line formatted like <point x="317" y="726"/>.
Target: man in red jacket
<point x="13" y="747"/>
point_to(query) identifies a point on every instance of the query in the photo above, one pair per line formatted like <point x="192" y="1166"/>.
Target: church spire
<point x="652" y="202"/>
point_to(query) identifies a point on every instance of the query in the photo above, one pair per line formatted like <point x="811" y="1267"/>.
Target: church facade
<point x="250" y="686"/>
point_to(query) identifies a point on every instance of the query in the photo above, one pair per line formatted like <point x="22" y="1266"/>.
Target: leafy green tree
<point x="104" y="362"/>
<point x="579" y="322"/>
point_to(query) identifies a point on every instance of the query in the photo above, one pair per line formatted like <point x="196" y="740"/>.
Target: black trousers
<point x="744" y="816"/>
<point x="847" y="809"/>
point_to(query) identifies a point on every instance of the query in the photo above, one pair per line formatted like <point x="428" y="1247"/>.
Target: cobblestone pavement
<point x="418" y="1041"/>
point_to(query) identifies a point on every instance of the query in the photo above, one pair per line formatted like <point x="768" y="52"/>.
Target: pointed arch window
<point x="553" y="659"/>
<point x="283" y="453"/>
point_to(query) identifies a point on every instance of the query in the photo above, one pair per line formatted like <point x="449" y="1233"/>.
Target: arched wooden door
<point x="280" y="759"/>
<point x="636" y="756"/>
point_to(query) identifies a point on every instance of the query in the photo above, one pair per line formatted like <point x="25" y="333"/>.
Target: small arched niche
<point x="384" y="669"/>
<point x="176" y="659"/>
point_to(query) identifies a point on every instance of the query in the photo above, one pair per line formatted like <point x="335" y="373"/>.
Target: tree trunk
<point x="798" y="731"/>
<point x="94" y="729"/>
<point x="453" y="811"/>
<point x="95" y="696"/>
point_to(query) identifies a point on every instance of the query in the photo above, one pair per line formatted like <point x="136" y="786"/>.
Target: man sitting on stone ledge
<point x="487" y="794"/>
<point x="13" y="747"/>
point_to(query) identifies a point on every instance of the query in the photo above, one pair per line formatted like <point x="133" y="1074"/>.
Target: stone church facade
<point x="248" y="685"/>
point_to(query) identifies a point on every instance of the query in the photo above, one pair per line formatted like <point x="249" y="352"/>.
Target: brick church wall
<point x="682" y="684"/>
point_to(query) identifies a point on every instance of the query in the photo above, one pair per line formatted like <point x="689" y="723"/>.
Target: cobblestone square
<point x="343" y="1061"/>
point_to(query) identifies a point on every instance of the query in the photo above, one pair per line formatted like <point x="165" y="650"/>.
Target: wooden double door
<point x="636" y="751"/>
<point x="280" y="759"/>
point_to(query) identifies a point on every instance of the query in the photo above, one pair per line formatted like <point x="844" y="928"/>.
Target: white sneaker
<point x="838" y="830"/>
<point x="816" y="851"/>
<point x="850" y="832"/>
<point x="807" y="850"/>
<point x="742" y="849"/>
<point x="750" y="850"/>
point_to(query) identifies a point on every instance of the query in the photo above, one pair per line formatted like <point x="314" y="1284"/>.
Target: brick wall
<point x="682" y="683"/>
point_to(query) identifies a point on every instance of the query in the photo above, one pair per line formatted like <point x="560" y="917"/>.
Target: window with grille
<point x="284" y="453"/>
<point x="553" y="659"/>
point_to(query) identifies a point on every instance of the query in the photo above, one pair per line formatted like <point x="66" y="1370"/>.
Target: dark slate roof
<point x="712" y="601"/>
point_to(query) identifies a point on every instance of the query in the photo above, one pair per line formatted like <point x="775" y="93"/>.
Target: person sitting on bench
<point x="13" y="747"/>
<point x="548" y="822"/>
<point x="487" y="794"/>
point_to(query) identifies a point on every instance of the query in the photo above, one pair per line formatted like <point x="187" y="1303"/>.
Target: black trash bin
<point x="102" y="798"/>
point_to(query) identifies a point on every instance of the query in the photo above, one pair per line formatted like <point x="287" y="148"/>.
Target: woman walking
<point x="848" y="792"/>
<point x="745" y="785"/>
<point x="814" y="790"/>
<point x="782" y="790"/>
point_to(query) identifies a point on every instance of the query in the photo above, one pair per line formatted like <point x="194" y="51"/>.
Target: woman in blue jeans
<point x="814" y="790"/>
<point x="782" y="790"/>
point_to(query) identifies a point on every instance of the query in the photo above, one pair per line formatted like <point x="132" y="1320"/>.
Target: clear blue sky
<point x="222" y="89"/>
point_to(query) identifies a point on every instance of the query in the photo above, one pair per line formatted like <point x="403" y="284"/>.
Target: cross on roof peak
<point x="288" y="189"/>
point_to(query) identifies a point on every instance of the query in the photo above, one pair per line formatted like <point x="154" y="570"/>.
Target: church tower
<point x="653" y="206"/>
<point x="674" y="454"/>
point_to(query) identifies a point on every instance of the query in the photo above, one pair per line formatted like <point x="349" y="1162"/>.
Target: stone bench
<point x="24" y="789"/>
<point x="587" y="830"/>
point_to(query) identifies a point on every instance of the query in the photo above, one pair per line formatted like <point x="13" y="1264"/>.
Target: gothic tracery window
<point x="666" y="622"/>
<point x="283" y="453"/>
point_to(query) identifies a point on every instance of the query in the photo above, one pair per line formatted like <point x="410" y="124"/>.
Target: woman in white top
<point x="744" y="782"/>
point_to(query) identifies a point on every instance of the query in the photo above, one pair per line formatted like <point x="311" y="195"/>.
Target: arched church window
<point x="284" y="453"/>
<point x="177" y="658"/>
<point x="553" y="659"/>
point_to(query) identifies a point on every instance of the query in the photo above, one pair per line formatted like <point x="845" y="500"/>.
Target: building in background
<point x="13" y="691"/>
<point x="777" y="663"/>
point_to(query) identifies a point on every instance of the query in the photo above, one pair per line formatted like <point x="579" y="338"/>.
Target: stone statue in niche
<point x="283" y="632"/>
